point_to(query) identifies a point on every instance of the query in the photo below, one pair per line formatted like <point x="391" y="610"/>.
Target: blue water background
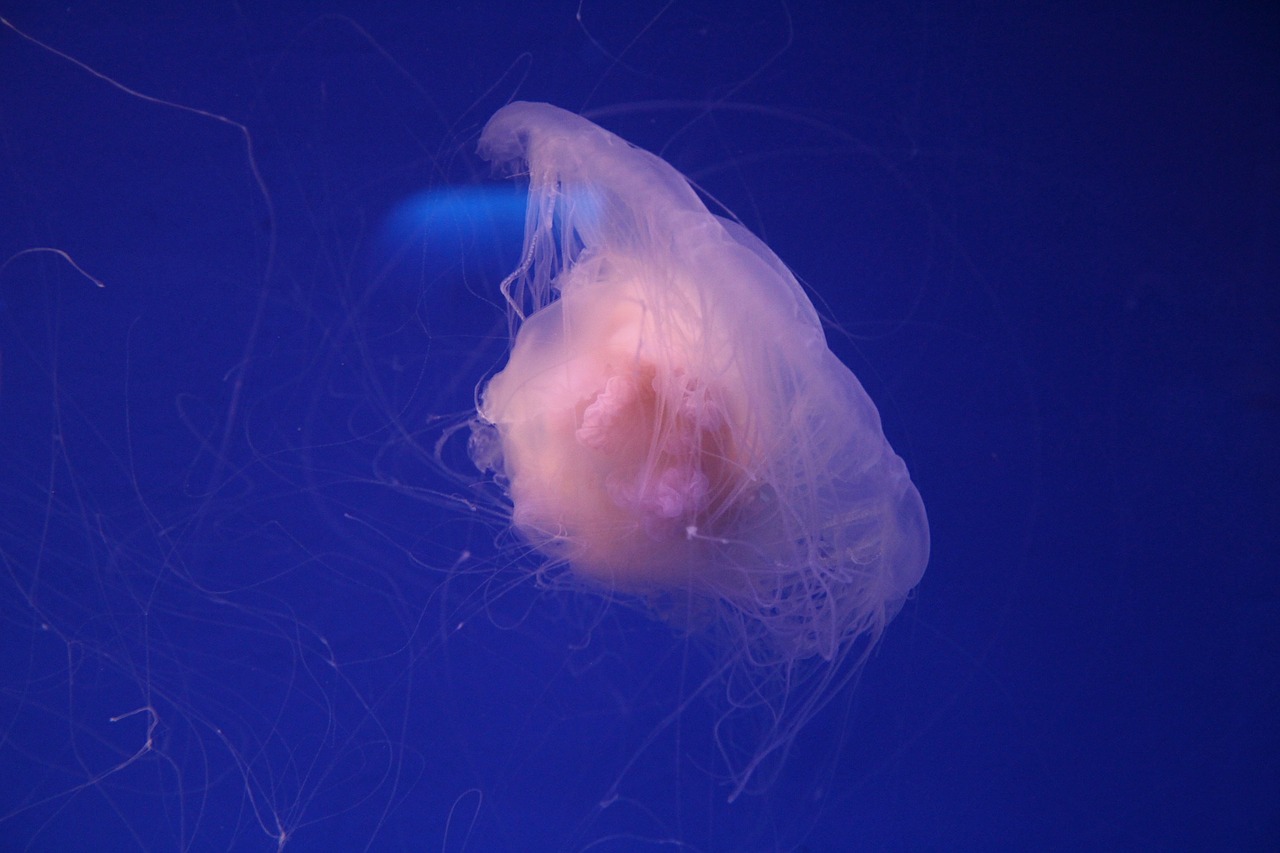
<point x="243" y="604"/>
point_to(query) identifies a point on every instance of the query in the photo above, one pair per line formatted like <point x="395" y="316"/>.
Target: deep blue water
<point x="243" y="602"/>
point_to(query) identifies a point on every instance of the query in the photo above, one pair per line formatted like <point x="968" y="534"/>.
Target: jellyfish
<point x="670" y="425"/>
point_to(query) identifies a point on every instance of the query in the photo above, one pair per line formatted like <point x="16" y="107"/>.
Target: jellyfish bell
<point x="670" y="424"/>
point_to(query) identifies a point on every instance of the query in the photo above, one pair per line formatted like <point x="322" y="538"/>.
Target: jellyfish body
<point x="670" y="422"/>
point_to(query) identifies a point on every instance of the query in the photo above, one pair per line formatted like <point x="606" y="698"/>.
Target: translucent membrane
<point x="670" y="422"/>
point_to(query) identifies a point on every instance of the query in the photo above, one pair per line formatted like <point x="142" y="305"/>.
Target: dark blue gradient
<point x="253" y="595"/>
